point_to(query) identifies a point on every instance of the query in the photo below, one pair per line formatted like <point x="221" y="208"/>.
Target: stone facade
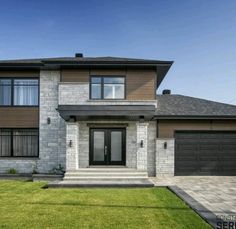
<point x="142" y="146"/>
<point x="52" y="147"/>
<point x="165" y="157"/>
<point x="72" y="146"/>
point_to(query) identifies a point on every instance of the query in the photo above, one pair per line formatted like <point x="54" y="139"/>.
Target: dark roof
<point x="177" y="106"/>
<point x="162" y="67"/>
<point x="83" y="60"/>
<point x="83" y="112"/>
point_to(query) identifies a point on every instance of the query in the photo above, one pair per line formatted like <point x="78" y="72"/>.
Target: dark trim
<point x="157" y="129"/>
<point x="213" y="117"/>
<point x="106" y="125"/>
<point x="102" y="86"/>
<point x="12" y="90"/>
<point x="11" y="135"/>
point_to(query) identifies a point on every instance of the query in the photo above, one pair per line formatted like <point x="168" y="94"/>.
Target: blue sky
<point x="200" y="36"/>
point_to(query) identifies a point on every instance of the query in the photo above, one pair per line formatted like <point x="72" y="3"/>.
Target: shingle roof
<point x="84" y="60"/>
<point x="179" y="105"/>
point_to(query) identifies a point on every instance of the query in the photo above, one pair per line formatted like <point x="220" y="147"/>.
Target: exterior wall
<point x="19" y="117"/>
<point x="19" y="164"/>
<point x="19" y="73"/>
<point x="140" y="83"/>
<point x="165" y="157"/>
<point x="72" y="151"/>
<point x="166" y="128"/>
<point x="52" y="147"/>
<point x="78" y="94"/>
<point x="131" y="144"/>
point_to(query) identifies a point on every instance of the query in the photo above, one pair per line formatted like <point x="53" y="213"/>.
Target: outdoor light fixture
<point x="141" y="144"/>
<point x="48" y="120"/>
<point x="141" y="119"/>
<point x="70" y="143"/>
<point x="165" y="145"/>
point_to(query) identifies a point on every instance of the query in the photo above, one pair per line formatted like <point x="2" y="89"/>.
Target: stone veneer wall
<point x="165" y="157"/>
<point x="52" y="136"/>
<point x="131" y="144"/>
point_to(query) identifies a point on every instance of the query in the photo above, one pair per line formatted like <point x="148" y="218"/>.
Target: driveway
<point x="212" y="197"/>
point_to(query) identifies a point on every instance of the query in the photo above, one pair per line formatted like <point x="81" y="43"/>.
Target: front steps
<point x="104" y="177"/>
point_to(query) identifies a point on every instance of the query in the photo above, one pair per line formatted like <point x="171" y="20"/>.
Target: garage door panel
<point x="205" y="153"/>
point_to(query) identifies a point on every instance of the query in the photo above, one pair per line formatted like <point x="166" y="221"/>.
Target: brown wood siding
<point x="166" y="128"/>
<point x="19" y="117"/>
<point x="80" y="75"/>
<point x="140" y="83"/>
<point x="19" y="74"/>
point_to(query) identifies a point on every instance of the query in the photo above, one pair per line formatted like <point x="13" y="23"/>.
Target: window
<point x="19" y="142"/>
<point x="107" y="87"/>
<point x="19" y="92"/>
<point x="5" y="92"/>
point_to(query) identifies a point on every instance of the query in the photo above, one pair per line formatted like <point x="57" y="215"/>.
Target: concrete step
<point x="79" y="174"/>
<point x="105" y="178"/>
<point x="119" y="183"/>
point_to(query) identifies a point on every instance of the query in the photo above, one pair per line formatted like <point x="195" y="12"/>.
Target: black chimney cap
<point x="166" y="92"/>
<point x="79" y="55"/>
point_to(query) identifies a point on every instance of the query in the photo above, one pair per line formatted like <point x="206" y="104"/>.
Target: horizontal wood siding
<point x="166" y="128"/>
<point x="80" y="75"/>
<point x="19" y="117"/>
<point x="140" y="83"/>
<point x="19" y="74"/>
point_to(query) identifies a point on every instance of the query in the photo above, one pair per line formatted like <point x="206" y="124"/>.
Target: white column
<point x="142" y="137"/>
<point x="72" y="146"/>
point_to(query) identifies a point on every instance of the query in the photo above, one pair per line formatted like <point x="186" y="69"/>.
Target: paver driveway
<point x="212" y="197"/>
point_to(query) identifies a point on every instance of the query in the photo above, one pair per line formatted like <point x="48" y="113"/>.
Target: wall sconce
<point x="70" y="143"/>
<point x="141" y="144"/>
<point x="165" y="145"/>
<point x="141" y="119"/>
<point x="48" y="121"/>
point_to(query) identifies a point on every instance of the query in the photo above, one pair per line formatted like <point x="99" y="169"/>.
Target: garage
<point x="205" y="153"/>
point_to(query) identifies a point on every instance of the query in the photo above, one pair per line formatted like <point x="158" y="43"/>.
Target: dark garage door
<point x="205" y="153"/>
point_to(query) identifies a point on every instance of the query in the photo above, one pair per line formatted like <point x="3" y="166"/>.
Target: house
<point x="100" y="118"/>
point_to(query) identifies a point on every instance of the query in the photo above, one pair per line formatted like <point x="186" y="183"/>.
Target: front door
<point x="107" y="146"/>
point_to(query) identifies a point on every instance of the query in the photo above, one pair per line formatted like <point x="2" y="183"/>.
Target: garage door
<point x="205" y="153"/>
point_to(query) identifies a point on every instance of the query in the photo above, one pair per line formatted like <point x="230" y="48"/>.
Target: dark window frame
<point x="102" y="86"/>
<point x="12" y="79"/>
<point x="11" y="140"/>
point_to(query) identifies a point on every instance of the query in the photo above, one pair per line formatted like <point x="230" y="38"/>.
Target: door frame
<point x="107" y="141"/>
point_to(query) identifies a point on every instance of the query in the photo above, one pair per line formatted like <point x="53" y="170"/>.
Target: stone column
<point x="142" y="141"/>
<point x="72" y="146"/>
<point x="165" y="153"/>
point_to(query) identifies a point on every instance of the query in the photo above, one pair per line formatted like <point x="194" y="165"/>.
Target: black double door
<point x="107" y="146"/>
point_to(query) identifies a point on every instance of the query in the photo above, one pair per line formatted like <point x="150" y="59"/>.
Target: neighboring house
<point x="82" y="112"/>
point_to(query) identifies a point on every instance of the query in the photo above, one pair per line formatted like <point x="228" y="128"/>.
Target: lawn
<point x="28" y="205"/>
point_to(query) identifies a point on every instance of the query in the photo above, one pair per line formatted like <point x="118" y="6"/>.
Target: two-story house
<point x="101" y="120"/>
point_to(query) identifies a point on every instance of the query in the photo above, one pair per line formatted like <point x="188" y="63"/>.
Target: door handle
<point x="105" y="150"/>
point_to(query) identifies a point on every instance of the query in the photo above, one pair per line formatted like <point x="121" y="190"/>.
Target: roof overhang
<point x="184" y="117"/>
<point x="114" y="112"/>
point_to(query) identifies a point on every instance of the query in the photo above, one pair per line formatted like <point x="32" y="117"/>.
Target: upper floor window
<point x="19" y="92"/>
<point x="106" y="87"/>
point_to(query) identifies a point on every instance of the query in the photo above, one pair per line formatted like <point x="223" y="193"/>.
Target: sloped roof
<point x="176" y="106"/>
<point x="84" y="60"/>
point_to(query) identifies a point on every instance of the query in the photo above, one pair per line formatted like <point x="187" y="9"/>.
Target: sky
<point x="198" y="35"/>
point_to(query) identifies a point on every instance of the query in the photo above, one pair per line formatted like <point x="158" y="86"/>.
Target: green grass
<point x="27" y="205"/>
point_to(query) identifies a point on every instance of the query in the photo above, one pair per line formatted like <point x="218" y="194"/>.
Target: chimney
<point x="166" y="92"/>
<point x="79" y="55"/>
